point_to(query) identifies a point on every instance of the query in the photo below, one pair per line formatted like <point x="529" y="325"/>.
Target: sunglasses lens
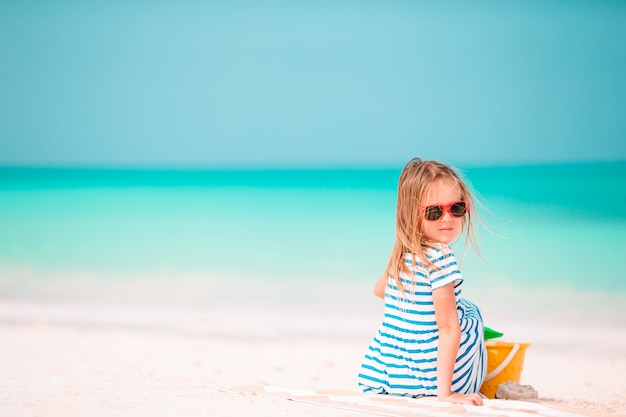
<point x="458" y="209"/>
<point x="433" y="213"/>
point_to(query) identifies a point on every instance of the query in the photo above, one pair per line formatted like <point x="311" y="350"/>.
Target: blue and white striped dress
<point x="402" y="358"/>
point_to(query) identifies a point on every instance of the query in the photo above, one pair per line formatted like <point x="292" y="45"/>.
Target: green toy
<point x="491" y="334"/>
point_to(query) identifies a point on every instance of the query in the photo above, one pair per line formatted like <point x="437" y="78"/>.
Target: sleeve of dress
<point x="446" y="268"/>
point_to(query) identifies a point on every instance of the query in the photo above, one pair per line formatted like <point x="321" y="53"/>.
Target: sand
<point x="81" y="356"/>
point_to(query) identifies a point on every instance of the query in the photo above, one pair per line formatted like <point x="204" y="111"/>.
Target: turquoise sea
<point x="551" y="227"/>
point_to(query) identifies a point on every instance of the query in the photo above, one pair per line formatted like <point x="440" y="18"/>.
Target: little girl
<point x="430" y="341"/>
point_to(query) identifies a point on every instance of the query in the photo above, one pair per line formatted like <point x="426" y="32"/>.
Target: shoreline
<point x="159" y="344"/>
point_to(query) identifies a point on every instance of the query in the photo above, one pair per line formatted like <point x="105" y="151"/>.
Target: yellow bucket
<point x="504" y="364"/>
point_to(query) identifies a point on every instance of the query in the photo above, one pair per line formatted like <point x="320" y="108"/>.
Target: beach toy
<point x="491" y="334"/>
<point x="504" y="364"/>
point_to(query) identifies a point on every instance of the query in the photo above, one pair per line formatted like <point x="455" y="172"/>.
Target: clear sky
<point x="313" y="83"/>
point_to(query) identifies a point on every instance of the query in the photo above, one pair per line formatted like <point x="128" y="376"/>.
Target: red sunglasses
<point x="435" y="212"/>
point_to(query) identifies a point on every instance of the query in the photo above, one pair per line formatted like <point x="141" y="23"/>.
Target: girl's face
<point x="446" y="228"/>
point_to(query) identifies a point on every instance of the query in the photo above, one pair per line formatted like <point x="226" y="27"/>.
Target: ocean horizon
<point x="550" y="228"/>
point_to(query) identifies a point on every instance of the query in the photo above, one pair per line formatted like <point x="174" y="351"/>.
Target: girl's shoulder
<point x="436" y="251"/>
<point x="434" y="255"/>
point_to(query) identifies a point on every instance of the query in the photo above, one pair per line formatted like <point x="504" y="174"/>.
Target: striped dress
<point x="402" y="358"/>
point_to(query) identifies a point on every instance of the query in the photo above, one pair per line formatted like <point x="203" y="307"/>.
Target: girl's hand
<point x="456" y="398"/>
<point x="379" y="287"/>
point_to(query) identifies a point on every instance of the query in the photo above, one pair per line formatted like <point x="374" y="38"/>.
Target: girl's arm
<point x="447" y="319"/>
<point x="379" y="287"/>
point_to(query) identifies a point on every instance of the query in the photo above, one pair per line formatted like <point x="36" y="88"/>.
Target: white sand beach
<point x="96" y="357"/>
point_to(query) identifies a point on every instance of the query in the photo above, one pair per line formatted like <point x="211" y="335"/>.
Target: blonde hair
<point x="415" y="183"/>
